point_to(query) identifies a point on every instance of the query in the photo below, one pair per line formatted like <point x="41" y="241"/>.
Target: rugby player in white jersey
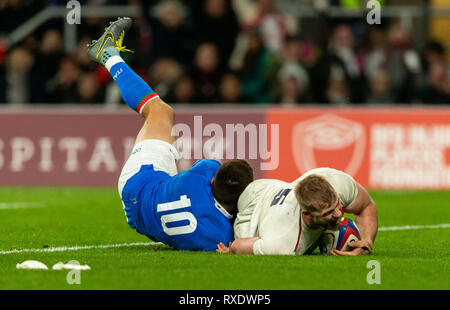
<point x="280" y="218"/>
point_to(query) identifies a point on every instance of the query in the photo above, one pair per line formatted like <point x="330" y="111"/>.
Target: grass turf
<point x="411" y="259"/>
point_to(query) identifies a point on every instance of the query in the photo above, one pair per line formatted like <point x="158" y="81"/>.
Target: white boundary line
<point x="108" y="246"/>
<point x="20" y="205"/>
<point x="78" y="248"/>
<point x="413" y="227"/>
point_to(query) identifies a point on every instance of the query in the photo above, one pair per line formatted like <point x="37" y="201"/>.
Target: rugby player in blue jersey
<point x="190" y="210"/>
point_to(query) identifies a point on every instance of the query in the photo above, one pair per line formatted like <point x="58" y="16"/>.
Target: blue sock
<point x="135" y="92"/>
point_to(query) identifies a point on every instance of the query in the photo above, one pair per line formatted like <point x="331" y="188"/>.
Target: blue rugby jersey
<point x="179" y="211"/>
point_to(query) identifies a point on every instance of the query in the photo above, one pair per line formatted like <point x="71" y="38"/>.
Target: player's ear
<point x="212" y="180"/>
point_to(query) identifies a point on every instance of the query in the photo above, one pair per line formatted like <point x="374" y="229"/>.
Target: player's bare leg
<point x="159" y="117"/>
<point x="159" y="120"/>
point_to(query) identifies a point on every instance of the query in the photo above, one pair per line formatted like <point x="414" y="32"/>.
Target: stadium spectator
<point x="342" y="54"/>
<point x="380" y="88"/>
<point x="256" y="61"/>
<point x="434" y="54"/>
<point x="230" y="89"/>
<point x="288" y="77"/>
<point x="17" y="77"/>
<point x="437" y="87"/>
<point x="273" y="25"/>
<point x="338" y="92"/>
<point x="164" y="73"/>
<point x="437" y="90"/>
<point x="214" y="17"/>
<point x="48" y="58"/>
<point x="376" y="52"/>
<point x="184" y="91"/>
<point x="403" y="63"/>
<point x="88" y="89"/>
<point x="63" y="87"/>
<point x="294" y="82"/>
<point x="206" y="72"/>
<point x="172" y="34"/>
<point x="251" y="37"/>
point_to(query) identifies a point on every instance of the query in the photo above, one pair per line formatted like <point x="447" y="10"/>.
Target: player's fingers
<point x="355" y="244"/>
<point x="362" y="245"/>
<point x="220" y="246"/>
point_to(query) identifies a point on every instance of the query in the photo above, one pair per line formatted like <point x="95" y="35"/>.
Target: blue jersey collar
<point x="222" y="209"/>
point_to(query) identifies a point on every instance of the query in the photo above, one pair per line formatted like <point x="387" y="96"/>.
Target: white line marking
<point x="19" y="205"/>
<point x="413" y="227"/>
<point x="108" y="246"/>
<point x="78" y="248"/>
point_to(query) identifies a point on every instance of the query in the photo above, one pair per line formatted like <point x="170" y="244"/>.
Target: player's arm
<point x="238" y="246"/>
<point x="366" y="218"/>
<point x="258" y="246"/>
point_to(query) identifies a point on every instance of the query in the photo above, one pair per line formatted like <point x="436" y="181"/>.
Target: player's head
<point x="230" y="181"/>
<point x="319" y="200"/>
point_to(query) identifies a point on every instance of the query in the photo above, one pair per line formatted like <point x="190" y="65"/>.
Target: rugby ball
<point x="339" y="239"/>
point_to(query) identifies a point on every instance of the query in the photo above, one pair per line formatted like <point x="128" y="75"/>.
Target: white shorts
<point x="162" y="155"/>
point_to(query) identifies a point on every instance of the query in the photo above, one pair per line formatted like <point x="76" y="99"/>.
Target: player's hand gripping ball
<point x="339" y="239"/>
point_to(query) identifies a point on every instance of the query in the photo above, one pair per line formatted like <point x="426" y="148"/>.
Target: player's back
<point x="255" y="202"/>
<point x="179" y="210"/>
<point x="268" y="209"/>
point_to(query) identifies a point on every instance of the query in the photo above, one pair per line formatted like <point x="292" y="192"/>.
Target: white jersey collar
<point x="222" y="210"/>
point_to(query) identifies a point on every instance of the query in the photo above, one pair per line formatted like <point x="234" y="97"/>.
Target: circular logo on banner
<point x="328" y="141"/>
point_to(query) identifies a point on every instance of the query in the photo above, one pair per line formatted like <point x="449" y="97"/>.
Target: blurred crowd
<point x="226" y="51"/>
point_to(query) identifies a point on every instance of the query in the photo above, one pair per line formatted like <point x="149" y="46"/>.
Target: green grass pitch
<point x="409" y="259"/>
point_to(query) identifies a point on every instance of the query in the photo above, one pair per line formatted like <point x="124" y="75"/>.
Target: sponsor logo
<point x="329" y="140"/>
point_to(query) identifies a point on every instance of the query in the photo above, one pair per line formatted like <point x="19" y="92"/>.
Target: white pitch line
<point x="19" y="205"/>
<point x="413" y="227"/>
<point x="78" y="248"/>
<point x="108" y="246"/>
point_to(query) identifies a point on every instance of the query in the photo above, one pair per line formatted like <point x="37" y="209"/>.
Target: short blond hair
<point x="315" y="193"/>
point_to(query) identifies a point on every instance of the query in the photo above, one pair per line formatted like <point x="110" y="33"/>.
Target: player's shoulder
<point x="209" y="163"/>
<point x="260" y="186"/>
<point x="204" y="168"/>
<point x="259" y="190"/>
<point x="265" y="183"/>
<point x="330" y="174"/>
<point x="324" y="171"/>
<point x="196" y="181"/>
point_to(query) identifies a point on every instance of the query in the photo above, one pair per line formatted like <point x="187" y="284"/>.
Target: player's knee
<point x="165" y="109"/>
<point x="230" y="181"/>
<point x="169" y="111"/>
<point x="159" y="109"/>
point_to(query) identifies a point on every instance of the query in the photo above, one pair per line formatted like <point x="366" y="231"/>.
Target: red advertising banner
<point x="90" y="147"/>
<point x="381" y="148"/>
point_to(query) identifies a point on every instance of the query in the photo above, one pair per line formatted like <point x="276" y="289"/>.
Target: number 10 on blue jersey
<point x="168" y="220"/>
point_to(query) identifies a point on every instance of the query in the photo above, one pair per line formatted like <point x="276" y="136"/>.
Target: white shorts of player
<point x="162" y="155"/>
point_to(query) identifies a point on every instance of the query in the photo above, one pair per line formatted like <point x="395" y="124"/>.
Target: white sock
<point x="112" y="61"/>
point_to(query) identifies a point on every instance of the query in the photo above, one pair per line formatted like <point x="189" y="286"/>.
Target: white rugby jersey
<point x="269" y="210"/>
